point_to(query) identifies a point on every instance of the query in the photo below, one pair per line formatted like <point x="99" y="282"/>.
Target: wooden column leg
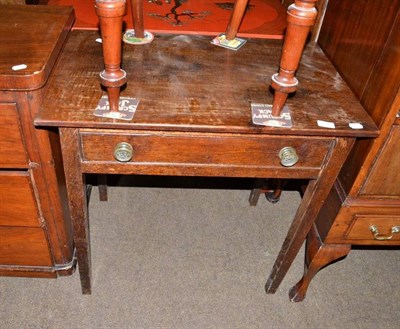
<point x="318" y="255"/>
<point x="110" y="13"/>
<point x="300" y="18"/>
<point x="314" y="196"/>
<point x="77" y="198"/>
<point x="137" y="18"/>
<point x="236" y="18"/>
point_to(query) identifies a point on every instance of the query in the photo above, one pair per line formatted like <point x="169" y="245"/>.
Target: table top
<point x="31" y="38"/>
<point x="184" y="83"/>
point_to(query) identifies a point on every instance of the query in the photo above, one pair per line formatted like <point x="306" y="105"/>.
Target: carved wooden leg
<point x="77" y="198"/>
<point x="318" y="255"/>
<point x="236" y="18"/>
<point x="300" y="18"/>
<point x="110" y="14"/>
<point x="314" y="196"/>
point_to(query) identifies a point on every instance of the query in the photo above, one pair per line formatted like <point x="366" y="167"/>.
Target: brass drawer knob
<point x="123" y="152"/>
<point x="380" y="237"/>
<point x="288" y="156"/>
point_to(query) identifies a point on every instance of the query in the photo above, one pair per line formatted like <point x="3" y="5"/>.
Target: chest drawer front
<point x="12" y="148"/>
<point x="17" y="200"/>
<point x="24" y="246"/>
<point x="206" y="150"/>
<point x="376" y="228"/>
<point x="355" y="224"/>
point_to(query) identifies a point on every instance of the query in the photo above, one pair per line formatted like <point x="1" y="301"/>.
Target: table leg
<point x="236" y="18"/>
<point x="318" y="255"/>
<point x="137" y="18"/>
<point x="314" y="196"/>
<point x="75" y="183"/>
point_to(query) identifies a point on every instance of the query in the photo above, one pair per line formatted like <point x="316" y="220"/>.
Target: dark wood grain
<point x="15" y="50"/>
<point x="18" y="204"/>
<point x="185" y="83"/>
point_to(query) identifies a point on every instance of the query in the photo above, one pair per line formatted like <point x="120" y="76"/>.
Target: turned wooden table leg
<point x="110" y="14"/>
<point x="318" y="255"/>
<point x="300" y="18"/>
<point x="236" y="18"/>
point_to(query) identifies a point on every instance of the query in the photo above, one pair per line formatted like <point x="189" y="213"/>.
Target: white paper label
<point x="19" y="67"/>
<point x="356" y="125"/>
<point x="326" y="124"/>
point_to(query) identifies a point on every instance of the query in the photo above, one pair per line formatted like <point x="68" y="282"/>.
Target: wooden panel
<point x="228" y="152"/>
<point x="17" y="200"/>
<point x="12" y="148"/>
<point x="354" y="34"/>
<point x="32" y="36"/>
<point x="24" y="246"/>
<point x="384" y="179"/>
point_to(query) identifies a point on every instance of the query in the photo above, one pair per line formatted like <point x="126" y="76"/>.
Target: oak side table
<point x="194" y="119"/>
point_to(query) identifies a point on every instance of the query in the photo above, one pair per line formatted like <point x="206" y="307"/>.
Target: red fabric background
<point x="263" y="19"/>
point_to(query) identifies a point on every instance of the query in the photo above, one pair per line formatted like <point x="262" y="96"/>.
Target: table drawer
<point x="17" y="200"/>
<point x="24" y="246"/>
<point x="12" y="147"/>
<point x="205" y="153"/>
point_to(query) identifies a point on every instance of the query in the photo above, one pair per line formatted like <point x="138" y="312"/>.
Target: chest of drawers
<point x="35" y="234"/>
<point x="363" y="207"/>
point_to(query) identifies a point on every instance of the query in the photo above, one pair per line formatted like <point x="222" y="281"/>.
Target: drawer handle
<point x="380" y="237"/>
<point x="123" y="152"/>
<point x="288" y="156"/>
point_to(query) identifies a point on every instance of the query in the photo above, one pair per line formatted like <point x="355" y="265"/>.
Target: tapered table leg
<point x="300" y="18"/>
<point x="110" y="13"/>
<point x="236" y="18"/>
<point x="137" y="17"/>
<point x="137" y="36"/>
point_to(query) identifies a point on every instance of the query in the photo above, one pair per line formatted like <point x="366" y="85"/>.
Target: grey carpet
<point x="199" y="258"/>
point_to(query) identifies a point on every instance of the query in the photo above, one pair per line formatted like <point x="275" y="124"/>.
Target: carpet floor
<point x="199" y="258"/>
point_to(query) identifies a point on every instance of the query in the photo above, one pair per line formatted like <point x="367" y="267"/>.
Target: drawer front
<point x="379" y="225"/>
<point x="24" y="246"/>
<point x="17" y="200"/>
<point x="375" y="227"/>
<point x="12" y="147"/>
<point x="167" y="153"/>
